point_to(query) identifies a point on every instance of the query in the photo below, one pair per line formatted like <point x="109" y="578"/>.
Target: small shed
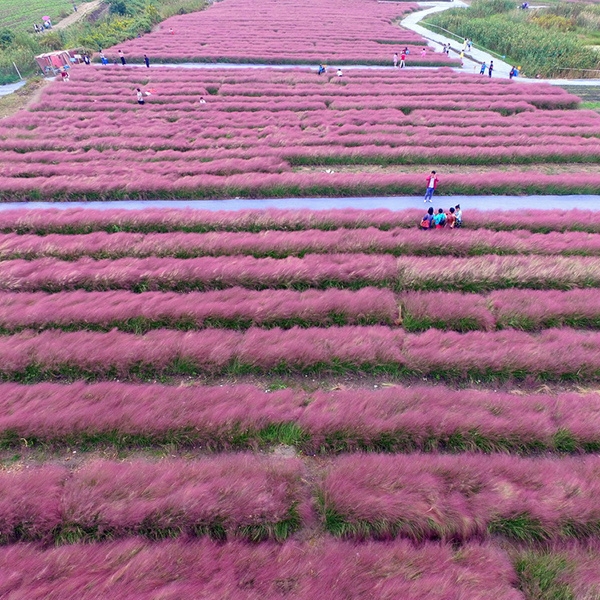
<point x="53" y="62"/>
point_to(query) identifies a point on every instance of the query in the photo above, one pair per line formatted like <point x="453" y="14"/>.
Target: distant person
<point x="402" y="60"/>
<point x="36" y="29"/>
<point x="321" y="70"/>
<point x="427" y="221"/>
<point x="491" y="68"/>
<point x="146" y="60"/>
<point x="86" y="59"/>
<point x="406" y="50"/>
<point x="202" y="100"/>
<point x="448" y="49"/>
<point x="469" y="44"/>
<point x="432" y="182"/>
<point x="64" y="75"/>
<point x="483" y="68"/>
<point x="103" y="59"/>
<point x="395" y="59"/>
<point x="423" y="53"/>
<point x="451" y="218"/>
<point x="465" y="43"/>
<point x="439" y="220"/>
<point x="457" y="216"/>
<point x="140" y="96"/>
<point x="171" y="31"/>
<point x="462" y="55"/>
<point x="339" y="72"/>
<point x="74" y="7"/>
<point x="122" y="57"/>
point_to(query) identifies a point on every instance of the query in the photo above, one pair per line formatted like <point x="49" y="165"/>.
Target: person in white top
<point x="339" y="73"/>
<point x="140" y="96"/>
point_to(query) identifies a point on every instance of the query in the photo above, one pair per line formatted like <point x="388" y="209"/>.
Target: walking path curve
<point x="386" y="202"/>
<point x="474" y="57"/>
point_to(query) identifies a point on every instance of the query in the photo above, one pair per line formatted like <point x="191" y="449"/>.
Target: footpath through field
<point x="82" y="11"/>
<point x="474" y="57"/>
<point x="589" y="202"/>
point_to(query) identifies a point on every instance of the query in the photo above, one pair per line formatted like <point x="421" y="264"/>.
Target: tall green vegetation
<point x="121" y="20"/>
<point x="544" y="42"/>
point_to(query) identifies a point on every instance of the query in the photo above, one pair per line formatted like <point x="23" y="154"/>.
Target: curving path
<point x="473" y="58"/>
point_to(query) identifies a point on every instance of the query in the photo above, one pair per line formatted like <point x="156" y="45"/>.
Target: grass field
<point x="20" y="16"/>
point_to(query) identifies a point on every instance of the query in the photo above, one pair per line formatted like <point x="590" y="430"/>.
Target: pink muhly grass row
<point x="226" y="496"/>
<point x="473" y="274"/>
<point x="280" y="244"/>
<point x="236" y="308"/>
<point x="521" y="309"/>
<point x="86" y="220"/>
<point x="552" y="354"/>
<point x="461" y="497"/>
<point x="337" y="570"/>
<point x="396" y="419"/>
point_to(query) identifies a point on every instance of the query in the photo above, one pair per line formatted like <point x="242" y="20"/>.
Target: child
<point x="451" y="218"/>
<point x="427" y="221"/>
<point x="395" y="59"/>
<point x="440" y="219"/>
<point x="458" y="216"/>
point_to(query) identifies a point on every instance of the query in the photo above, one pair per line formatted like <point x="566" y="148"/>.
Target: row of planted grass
<point x="282" y="244"/>
<point x="238" y="308"/>
<point x="414" y="496"/>
<point x="553" y="355"/>
<point x="73" y="221"/>
<point x="242" y="417"/>
<point x="350" y="271"/>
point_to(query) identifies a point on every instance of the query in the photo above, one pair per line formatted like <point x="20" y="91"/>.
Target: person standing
<point x="491" y="68"/>
<point x="402" y="60"/>
<point x="74" y="7"/>
<point x="146" y="60"/>
<point x="432" y="182"/>
<point x="122" y="57"/>
<point x="483" y="68"/>
<point x="140" y="97"/>
<point x="395" y="59"/>
<point x="423" y="53"/>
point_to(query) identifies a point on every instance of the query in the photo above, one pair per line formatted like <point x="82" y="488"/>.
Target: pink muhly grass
<point x="78" y="220"/>
<point x="419" y="417"/>
<point x="337" y="570"/>
<point x="448" y="497"/>
<point x="234" y="307"/>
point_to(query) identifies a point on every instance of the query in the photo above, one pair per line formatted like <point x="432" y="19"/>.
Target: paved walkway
<point x="474" y="57"/>
<point x="9" y="88"/>
<point x="389" y="202"/>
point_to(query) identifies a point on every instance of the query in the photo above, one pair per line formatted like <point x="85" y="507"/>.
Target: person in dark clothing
<point x="146" y="60"/>
<point x="491" y="68"/>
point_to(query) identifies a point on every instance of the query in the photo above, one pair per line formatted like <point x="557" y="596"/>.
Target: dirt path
<point x="82" y="11"/>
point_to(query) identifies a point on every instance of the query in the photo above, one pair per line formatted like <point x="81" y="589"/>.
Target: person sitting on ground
<point x="427" y="221"/>
<point x="458" y="216"/>
<point x="140" y="96"/>
<point x="339" y="72"/>
<point x="321" y="70"/>
<point x="439" y="219"/>
<point x="202" y="100"/>
<point x="451" y="218"/>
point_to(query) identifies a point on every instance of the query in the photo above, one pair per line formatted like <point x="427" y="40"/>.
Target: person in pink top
<point x="423" y="53"/>
<point x="432" y="182"/>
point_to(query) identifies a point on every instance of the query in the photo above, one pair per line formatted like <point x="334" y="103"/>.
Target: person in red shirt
<point x="432" y="182"/>
<point x="402" y="60"/>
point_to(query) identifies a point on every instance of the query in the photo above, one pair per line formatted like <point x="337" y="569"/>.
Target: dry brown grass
<point x="14" y="102"/>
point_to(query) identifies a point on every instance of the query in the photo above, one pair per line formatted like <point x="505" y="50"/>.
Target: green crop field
<point x="19" y="15"/>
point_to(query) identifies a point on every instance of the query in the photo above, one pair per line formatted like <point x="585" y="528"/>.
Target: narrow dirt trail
<point x="82" y="11"/>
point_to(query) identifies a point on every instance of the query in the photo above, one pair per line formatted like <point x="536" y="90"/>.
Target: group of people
<point x="400" y="61"/>
<point x="440" y="219"/>
<point x="41" y="28"/>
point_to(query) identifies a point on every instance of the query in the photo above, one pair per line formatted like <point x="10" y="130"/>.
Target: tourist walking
<point x="146" y="60"/>
<point x="491" y="68"/>
<point x="395" y="59"/>
<point x="402" y="60"/>
<point x="122" y="57"/>
<point x="432" y="183"/>
<point x="483" y="68"/>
